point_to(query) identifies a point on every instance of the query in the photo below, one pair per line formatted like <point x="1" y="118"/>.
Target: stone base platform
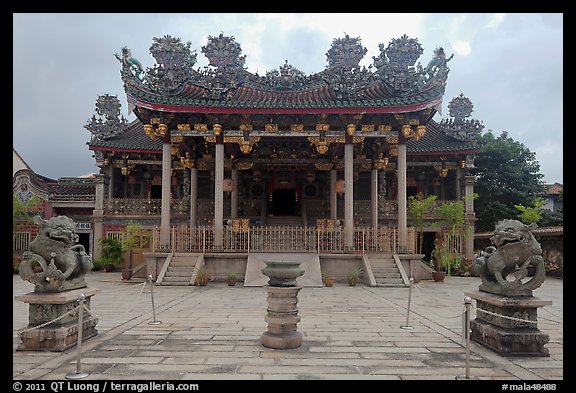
<point x="282" y="318"/>
<point x="508" y="325"/>
<point x="61" y="334"/>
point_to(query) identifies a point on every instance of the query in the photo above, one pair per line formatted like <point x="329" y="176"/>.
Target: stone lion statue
<point x="515" y="248"/>
<point x="63" y="262"/>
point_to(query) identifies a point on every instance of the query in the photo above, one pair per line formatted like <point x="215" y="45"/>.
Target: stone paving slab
<point x="213" y="332"/>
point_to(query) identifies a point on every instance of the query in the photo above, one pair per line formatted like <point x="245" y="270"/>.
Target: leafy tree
<point x="508" y="174"/>
<point x="453" y="216"/>
<point x="529" y="215"/>
<point x="418" y="207"/>
<point x="23" y="211"/>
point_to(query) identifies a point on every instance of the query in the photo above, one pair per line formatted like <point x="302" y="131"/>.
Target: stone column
<point x="349" y="195"/>
<point x="110" y="183"/>
<point x="166" y="184"/>
<point x="193" y="194"/>
<point x="458" y="176"/>
<point x="234" y="195"/>
<point x="219" y="189"/>
<point x="402" y="215"/>
<point x="470" y="217"/>
<point x="98" y="216"/>
<point x="374" y="197"/>
<point x="333" y="195"/>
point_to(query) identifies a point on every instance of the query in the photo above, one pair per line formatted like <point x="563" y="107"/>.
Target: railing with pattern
<point x="184" y="238"/>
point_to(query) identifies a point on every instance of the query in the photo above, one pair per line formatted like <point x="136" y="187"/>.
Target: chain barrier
<point x="49" y="322"/>
<point x="505" y="316"/>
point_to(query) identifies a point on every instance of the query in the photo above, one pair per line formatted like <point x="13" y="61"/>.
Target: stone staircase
<point x="180" y="269"/>
<point x="385" y="271"/>
<point x="286" y="221"/>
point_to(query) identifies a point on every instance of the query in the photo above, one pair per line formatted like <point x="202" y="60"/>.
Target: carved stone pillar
<point x="193" y="194"/>
<point x="333" y="196"/>
<point x="166" y="184"/>
<point x="234" y="195"/>
<point x="98" y="216"/>
<point x="219" y="189"/>
<point x="349" y="195"/>
<point x="402" y="214"/>
<point x="374" y="197"/>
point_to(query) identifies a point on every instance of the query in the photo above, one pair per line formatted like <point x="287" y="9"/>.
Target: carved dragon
<point x="515" y="248"/>
<point x="64" y="263"/>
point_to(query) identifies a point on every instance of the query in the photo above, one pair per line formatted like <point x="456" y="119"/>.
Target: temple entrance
<point x="283" y="201"/>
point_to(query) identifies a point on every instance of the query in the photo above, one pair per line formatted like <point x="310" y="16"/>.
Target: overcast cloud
<point x="509" y="65"/>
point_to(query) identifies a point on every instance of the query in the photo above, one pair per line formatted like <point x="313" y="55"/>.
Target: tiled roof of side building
<point x="132" y="138"/>
<point x="436" y="141"/>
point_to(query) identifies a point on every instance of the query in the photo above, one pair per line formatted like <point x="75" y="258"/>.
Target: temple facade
<point x="221" y="160"/>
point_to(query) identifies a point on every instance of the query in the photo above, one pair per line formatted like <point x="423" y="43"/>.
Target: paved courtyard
<point x="213" y="333"/>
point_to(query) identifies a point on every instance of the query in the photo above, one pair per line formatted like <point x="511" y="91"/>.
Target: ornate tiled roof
<point x="435" y="140"/>
<point x="395" y="85"/>
<point x="132" y="137"/>
<point x="73" y="189"/>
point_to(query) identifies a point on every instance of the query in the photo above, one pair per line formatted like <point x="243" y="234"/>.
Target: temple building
<point x="35" y="194"/>
<point x="224" y="163"/>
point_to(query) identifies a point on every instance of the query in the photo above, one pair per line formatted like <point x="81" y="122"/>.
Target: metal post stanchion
<point x="78" y="374"/>
<point x="466" y="333"/>
<point x="407" y="326"/>
<point x="154" y="322"/>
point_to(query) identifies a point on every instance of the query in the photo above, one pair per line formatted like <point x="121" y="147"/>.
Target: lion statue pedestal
<point x="506" y="312"/>
<point x="58" y="286"/>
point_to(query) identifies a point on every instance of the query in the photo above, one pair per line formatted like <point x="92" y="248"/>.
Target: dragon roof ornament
<point x="226" y="83"/>
<point x="110" y="122"/>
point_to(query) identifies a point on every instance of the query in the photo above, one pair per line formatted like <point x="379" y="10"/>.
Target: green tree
<point x="24" y="211"/>
<point x="508" y="174"/>
<point x="418" y="207"/>
<point x="452" y="215"/>
<point x="529" y="215"/>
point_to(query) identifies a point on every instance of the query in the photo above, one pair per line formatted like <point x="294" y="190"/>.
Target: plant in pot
<point x="328" y="280"/>
<point x="231" y="279"/>
<point x="441" y="260"/>
<point x="111" y="255"/>
<point x="202" y="278"/>
<point x="354" y="276"/>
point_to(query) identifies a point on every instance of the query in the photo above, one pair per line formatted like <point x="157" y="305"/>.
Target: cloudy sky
<point x="509" y="65"/>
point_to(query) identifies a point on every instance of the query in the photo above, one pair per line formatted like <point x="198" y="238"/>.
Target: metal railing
<point x="185" y="238"/>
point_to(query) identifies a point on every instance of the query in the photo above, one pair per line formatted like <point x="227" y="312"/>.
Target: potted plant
<point x="328" y="280"/>
<point x="202" y="278"/>
<point x="111" y="255"/>
<point x="440" y="260"/>
<point x="231" y="279"/>
<point x="354" y="276"/>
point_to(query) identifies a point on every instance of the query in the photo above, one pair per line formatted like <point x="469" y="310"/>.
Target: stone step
<point x="176" y="278"/>
<point x="181" y="269"/>
<point x="178" y="274"/>
<point x="175" y="283"/>
<point x="183" y="262"/>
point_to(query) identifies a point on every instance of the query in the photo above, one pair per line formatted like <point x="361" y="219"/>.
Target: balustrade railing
<point x="185" y="238"/>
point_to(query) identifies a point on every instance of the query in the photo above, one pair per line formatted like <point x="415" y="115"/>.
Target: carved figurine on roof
<point x="396" y="64"/>
<point x="62" y="263"/>
<point x="110" y="122"/>
<point x="226" y="83"/>
<point x="459" y="127"/>
<point x="130" y="64"/>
